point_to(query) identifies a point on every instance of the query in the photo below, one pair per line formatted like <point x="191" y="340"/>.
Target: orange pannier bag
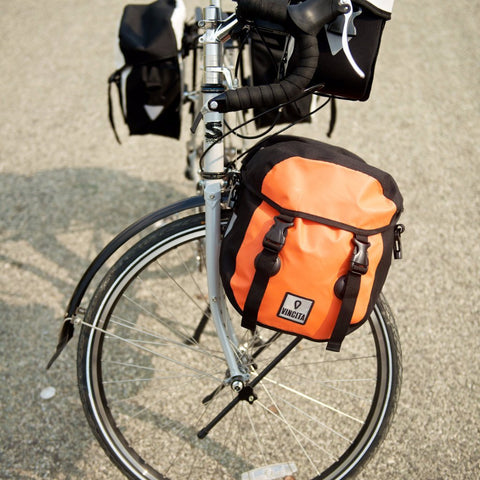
<point x="310" y="241"/>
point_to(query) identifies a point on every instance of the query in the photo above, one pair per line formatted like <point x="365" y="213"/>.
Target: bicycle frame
<point x="214" y="76"/>
<point x="148" y="359"/>
<point x="215" y="73"/>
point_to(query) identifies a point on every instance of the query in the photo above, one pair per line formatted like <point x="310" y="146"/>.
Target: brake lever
<point x="347" y="17"/>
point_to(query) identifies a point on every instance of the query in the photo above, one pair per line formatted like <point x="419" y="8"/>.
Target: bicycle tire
<point x="142" y="379"/>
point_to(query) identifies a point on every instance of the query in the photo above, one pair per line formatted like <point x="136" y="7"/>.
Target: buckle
<point x="359" y="261"/>
<point x="275" y="238"/>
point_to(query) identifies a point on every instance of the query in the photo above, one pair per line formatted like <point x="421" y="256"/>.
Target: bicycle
<point x="170" y="384"/>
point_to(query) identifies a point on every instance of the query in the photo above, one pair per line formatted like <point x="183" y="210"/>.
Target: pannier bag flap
<point x="359" y="196"/>
<point x="146" y="33"/>
<point x="311" y="239"/>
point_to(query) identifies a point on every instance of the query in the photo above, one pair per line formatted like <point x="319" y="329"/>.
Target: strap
<point x="114" y="78"/>
<point x="333" y="117"/>
<point x="267" y="264"/>
<point x="358" y="267"/>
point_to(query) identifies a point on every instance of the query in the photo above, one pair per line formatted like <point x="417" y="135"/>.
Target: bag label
<point x="295" y="308"/>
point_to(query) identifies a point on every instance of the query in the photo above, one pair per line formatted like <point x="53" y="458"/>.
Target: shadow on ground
<point x="52" y="224"/>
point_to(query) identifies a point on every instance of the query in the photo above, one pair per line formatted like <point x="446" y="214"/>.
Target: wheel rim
<point x="108" y="414"/>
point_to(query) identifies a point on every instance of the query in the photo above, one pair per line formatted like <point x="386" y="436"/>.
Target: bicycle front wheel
<point x="151" y="376"/>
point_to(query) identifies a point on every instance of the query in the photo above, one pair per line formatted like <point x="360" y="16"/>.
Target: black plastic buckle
<point x="275" y="238"/>
<point x="359" y="261"/>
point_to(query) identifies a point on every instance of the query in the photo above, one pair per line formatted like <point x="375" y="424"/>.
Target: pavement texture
<point x="66" y="188"/>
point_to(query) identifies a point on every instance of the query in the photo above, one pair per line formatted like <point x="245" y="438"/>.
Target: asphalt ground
<point x="66" y="188"/>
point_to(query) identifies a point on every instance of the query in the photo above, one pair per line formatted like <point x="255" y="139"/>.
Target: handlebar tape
<point x="303" y="21"/>
<point x="275" y="11"/>
<point x="269" y="96"/>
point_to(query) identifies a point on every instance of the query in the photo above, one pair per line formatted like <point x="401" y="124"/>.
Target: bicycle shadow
<point x="53" y="431"/>
<point x="52" y="224"/>
<point x="55" y="212"/>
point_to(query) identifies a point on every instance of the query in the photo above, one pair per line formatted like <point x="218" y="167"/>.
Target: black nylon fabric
<point x="146" y="34"/>
<point x="154" y="85"/>
<point x="267" y="50"/>
<point x="336" y="73"/>
<point x="377" y="11"/>
<point x="333" y="73"/>
<point x="149" y="84"/>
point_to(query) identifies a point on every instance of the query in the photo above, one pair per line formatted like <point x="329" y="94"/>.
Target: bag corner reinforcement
<point x="310" y="243"/>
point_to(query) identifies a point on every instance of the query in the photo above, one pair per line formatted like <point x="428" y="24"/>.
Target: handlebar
<point x="303" y="21"/>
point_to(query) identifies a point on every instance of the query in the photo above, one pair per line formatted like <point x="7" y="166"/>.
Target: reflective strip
<point x="178" y="22"/>
<point x="123" y="87"/>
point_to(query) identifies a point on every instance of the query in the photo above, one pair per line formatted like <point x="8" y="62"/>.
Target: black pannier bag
<point x="311" y="238"/>
<point x="149" y="81"/>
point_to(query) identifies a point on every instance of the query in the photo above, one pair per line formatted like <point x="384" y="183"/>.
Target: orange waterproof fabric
<point x="347" y="196"/>
<point x="316" y="277"/>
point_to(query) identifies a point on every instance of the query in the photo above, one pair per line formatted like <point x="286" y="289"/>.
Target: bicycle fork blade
<point x="205" y="431"/>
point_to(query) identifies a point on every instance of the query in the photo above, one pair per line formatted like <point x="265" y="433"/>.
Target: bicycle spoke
<point x="170" y="315"/>
<point x="296" y="433"/>
<point x="313" y="400"/>
<point x="164" y="341"/>
<point x="149" y="386"/>
<point x="148" y="350"/>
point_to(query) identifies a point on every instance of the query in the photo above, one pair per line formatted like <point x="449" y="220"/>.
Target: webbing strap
<point x="267" y="264"/>
<point x="358" y="267"/>
<point x="333" y="117"/>
<point x="352" y="287"/>
<point x="114" y="78"/>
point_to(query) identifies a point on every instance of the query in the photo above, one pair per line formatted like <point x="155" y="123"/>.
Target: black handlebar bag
<point x="310" y="242"/>
<point x="271" y="60"/>
<point x="365" y="31"/>
<point x="149" y="81"/>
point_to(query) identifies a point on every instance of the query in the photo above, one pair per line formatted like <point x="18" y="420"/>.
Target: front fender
<point x="67" y="330"/>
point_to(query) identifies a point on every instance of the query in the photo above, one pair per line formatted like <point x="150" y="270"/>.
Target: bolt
<point x="237" y="386"/>
<point x="213" y="105"/>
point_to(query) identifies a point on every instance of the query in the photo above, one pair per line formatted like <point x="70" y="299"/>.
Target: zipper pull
<point x="397" y="243"/>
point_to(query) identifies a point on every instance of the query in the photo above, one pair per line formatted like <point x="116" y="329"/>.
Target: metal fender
<point x="67" y="329"/>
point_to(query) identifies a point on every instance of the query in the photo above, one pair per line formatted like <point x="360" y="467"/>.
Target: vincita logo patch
<point x="295" y="308"/>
